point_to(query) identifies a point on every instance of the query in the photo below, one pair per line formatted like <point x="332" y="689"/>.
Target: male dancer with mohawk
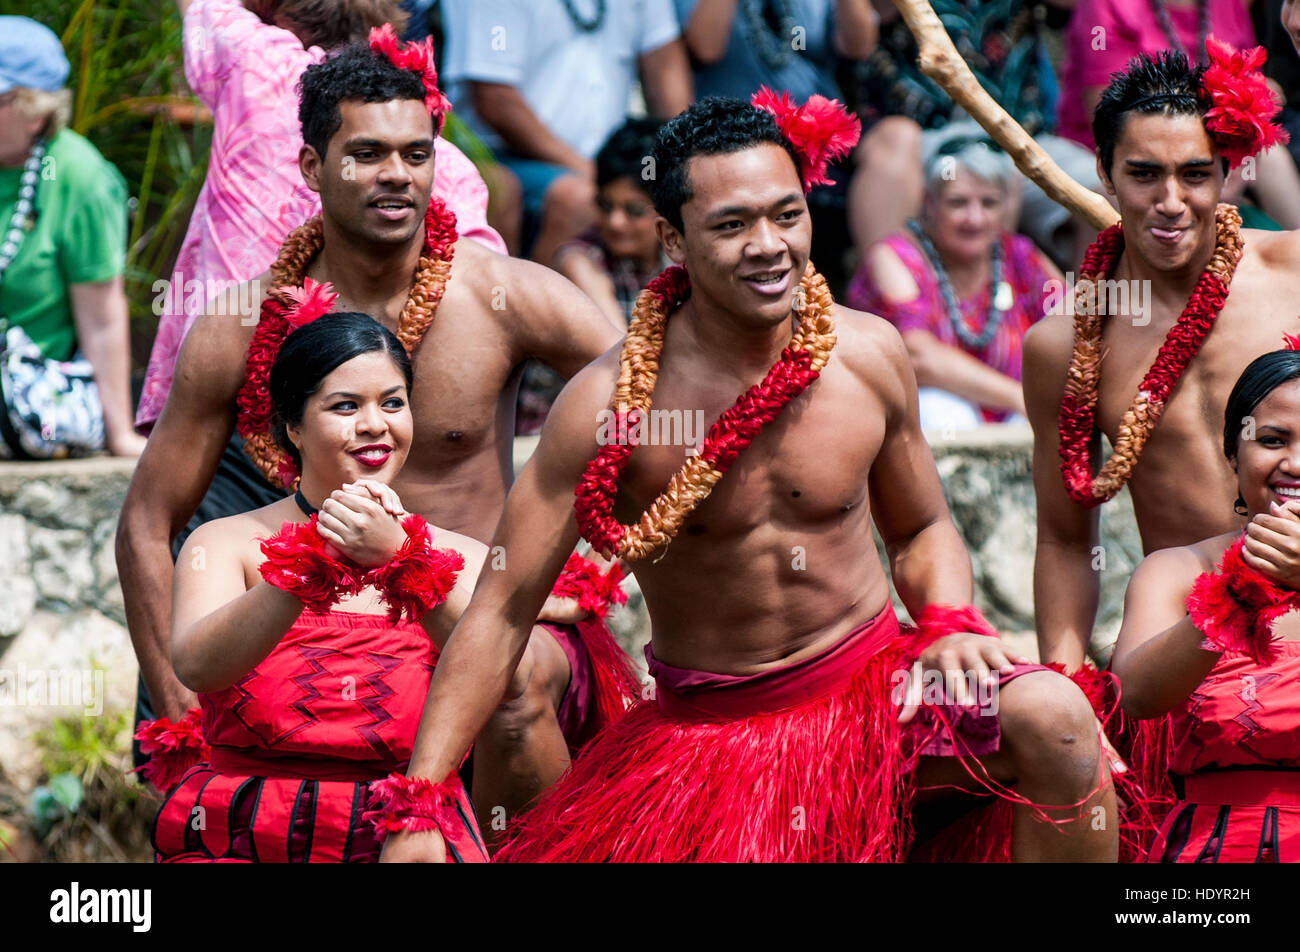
<point x="1155" y="383"/>
<point x="774" y="645"/>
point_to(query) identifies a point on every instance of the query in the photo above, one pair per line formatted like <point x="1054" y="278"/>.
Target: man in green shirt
<point x="61" y="262"/>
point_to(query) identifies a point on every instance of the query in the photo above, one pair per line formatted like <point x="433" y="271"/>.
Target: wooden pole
<point x="940" y="61"/>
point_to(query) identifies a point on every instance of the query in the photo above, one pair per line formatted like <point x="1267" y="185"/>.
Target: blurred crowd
<point x="927" y="224"/>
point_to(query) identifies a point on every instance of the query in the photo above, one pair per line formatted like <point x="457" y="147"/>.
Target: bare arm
<point x="707" y="31"/>
<point x="183" y="5"/>
<point x="666" y="79"/>
<point x="856" y="28"/>
<point x="547" y="317"/>
<point x="537" y="532"/>
<point x="1066" y="586"/>
<point x="504" y="108"/>
<point x="1158" y="658"/>
<point x="940" y="365"/>
<point x="592" y="281"/>
<point x="928" y="559"/>
<point x="220" y="629"/>
<point x="103" y="333"/>
<point x="169" y="482"/>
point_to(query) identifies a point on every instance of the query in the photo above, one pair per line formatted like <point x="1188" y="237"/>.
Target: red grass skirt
<point x="805" y="763"/>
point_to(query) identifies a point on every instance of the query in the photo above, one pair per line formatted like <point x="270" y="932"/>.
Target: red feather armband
<point x="418" y="577"/>
<point x="297" y="562"/>
<point x="595" y="592"/>
<point x="412" y="804"/>
<point x="936" y="621"/>
<point x="1235" y="607"/>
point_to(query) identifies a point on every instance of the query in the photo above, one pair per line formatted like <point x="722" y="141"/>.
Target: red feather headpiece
<point x="1242" y="107"/>
<point x="821" y="130"/>
<point x="417" y="57"/>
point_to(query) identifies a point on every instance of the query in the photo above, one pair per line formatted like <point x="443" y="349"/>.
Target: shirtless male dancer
<point x="368" y="128"/>
<point x="1165" y="169"/>
<point x="773" y="735"/>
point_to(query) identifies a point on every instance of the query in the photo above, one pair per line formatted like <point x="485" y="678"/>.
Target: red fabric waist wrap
<point x="681" y="692"/>
<point x="1244" y="788"/>
<point x="228" y="760"/>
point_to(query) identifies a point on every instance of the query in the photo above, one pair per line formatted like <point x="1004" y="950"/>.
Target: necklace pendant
<point x="1004" y="297"/>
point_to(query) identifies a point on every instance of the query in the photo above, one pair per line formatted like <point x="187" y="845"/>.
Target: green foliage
<point x="89" y="809"/>
<point x="130" y="99"/>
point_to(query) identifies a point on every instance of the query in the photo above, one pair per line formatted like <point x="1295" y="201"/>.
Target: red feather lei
<point x="1235" y="607"/>
<point x="285" y="308"/>
<point x="735" y="429"/>
<point x="418" y="577"/>
<point x="1079" y="403"/>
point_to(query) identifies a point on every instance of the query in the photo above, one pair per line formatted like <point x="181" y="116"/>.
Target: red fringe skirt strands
<point x="805" y="763"/>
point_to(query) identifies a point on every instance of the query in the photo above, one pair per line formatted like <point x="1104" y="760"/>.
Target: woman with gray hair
<point x="62" y="254"/>
<point x="959" y="287"/>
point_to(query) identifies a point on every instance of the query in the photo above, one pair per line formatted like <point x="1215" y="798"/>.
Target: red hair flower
<point x="417" y="57"/>
<point x="1290" y="342"/>
<point x="1242" y="107"/>
<point x="821" y="130"/>
<point x="314" y="299"/>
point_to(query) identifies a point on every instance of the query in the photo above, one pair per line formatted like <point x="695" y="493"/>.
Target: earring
<point x="1239" y="507"/>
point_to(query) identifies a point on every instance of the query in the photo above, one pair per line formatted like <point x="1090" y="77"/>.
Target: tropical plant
<point x="130" y="99"/>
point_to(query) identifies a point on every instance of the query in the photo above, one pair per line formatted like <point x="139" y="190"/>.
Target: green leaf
<point x="66" y="789"/>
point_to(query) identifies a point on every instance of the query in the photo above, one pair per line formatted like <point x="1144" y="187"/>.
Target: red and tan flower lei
<point x="800" y="364"/>
<point x="1181" y="344"/>
<point x="287" y="274"/>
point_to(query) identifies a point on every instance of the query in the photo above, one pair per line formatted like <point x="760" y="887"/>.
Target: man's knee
<point x="1048" y="726"/>
<point x="892" y="140"/>
<point x="570" y="200"/>
<point x="534" y="693"/>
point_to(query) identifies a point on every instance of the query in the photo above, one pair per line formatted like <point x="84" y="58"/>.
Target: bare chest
<point x="805" y="469"/>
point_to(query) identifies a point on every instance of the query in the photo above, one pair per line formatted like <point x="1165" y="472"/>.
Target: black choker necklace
<point x="306" y="507"/>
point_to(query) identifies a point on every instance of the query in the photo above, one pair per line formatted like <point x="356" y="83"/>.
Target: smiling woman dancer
<point x="308" y="626"/>
<point x="1211" y="636"/>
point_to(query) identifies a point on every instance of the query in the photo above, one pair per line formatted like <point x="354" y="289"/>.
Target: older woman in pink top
<point x="246" y="72"/>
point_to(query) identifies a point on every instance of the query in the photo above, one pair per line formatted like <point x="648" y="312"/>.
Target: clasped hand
<point x="1273" y="543"/>
<point x="363" y="520"/>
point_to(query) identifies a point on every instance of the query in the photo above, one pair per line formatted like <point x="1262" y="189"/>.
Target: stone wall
<point x="62" y="617"/>
<point x="63" y="641"/>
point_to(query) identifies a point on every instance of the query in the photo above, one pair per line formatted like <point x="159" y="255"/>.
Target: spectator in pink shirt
<point x="1103" y="35"/>
<point x="243" y="62"/>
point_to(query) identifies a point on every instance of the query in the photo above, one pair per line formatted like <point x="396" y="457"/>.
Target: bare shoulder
<point x="1047" y="347"/>
<point x="472" y="549"/>
<point x="1273" y="250"/>
<point x="521" y="283"/>
<point x="890" y="274"/>
<point x="216" y="345"/>
<point x="229" y="537"/>
<point x="1176" y="568"/>
<point x="868" y="344"/>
